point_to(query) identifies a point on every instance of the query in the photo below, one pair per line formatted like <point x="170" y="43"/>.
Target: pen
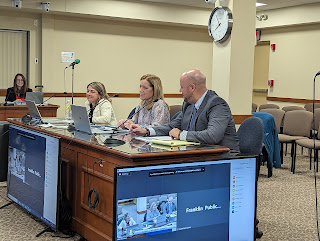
<point x="143" y="126"/>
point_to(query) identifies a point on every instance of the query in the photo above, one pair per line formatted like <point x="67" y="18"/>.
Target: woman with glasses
<point x="17" y="93"/>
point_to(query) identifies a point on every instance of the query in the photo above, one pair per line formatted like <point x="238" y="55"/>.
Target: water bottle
<point x="68" y="110"/>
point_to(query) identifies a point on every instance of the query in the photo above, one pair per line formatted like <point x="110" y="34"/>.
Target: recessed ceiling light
<point x="260" y="4"/>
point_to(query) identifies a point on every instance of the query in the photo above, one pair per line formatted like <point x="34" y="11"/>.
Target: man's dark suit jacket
<point x="214" y="123"/>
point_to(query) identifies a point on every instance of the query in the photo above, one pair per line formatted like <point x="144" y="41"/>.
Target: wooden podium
<point x="19" y="111"/>
<point x="80" y="152"/>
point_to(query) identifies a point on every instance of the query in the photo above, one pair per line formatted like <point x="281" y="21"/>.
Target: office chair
<point x="250" y="134"/>
<point x="292" y="107"/>
<point x="173" y="110"/>
<point x="268" y="106"/>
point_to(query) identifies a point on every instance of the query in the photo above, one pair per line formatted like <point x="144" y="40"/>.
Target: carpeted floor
<point x="286" y="202"/>
<point x="286" y="208"/>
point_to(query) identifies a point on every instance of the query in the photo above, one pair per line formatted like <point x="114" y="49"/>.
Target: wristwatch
<point x="147" y="132"/>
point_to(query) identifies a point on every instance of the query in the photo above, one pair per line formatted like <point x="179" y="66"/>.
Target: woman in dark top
<point x="19" y="89"/>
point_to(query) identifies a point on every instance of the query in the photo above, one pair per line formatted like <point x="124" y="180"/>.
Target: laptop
<point x="81" y="121"/>
<point x="37" y="97"/>
<point x="34" y="113"/>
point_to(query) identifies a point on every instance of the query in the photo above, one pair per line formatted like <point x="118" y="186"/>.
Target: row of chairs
<point x="307" y="107"/>
<point x="296" y="127"/>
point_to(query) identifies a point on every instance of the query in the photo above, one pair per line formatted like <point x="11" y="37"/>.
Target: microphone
<point x="51" y="97"/>
<point x="7" y="96"/>
<point x="155" y="100"/>
<point x="77" y="61"/>
<point x="317" y="74"/>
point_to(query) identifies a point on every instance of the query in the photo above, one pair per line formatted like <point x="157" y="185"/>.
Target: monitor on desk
<point x="198" y="200"/>
<point x="33" y="173"/>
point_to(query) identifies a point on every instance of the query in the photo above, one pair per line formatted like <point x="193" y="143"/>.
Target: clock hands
<point x="217" y="26"/>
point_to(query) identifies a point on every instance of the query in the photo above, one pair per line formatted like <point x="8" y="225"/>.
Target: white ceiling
<point x="271" y="4"/>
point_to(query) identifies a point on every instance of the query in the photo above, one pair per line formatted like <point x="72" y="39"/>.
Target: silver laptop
<point x="81" y="121"/>
<point x="33" y="110"/>
<point x="37" y="97"/>
<point x="34" y="113"/>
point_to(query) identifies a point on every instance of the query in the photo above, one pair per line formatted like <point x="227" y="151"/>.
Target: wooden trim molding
<point x="292" y="100"/>
<point x="238" y="119"/>
<point x="3" y="92"/>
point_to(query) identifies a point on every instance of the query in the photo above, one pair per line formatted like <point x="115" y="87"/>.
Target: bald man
<point x="205" y="117"/>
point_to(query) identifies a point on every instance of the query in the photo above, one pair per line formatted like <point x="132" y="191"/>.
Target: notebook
<point x="34" y="113"/>
<point x="37" y="97"/>
<point x="81" y="121"/>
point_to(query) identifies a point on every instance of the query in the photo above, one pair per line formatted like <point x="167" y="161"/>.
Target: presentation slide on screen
<point x="186" y="201"/>
<point x="33" y="172"/>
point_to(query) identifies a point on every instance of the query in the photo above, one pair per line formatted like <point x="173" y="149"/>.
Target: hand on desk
<point x="17" y="100"/>
<point x="137" y="130"/>
<point x="175" y="133"/>
<point x="126" y="125"/>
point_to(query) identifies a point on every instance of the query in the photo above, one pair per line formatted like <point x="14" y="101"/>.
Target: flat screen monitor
<point x="33" y="173"/>
<point x="201" y="200"/>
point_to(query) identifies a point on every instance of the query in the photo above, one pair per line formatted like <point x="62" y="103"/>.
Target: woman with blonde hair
<point x="99" y="106"/>
<point x="156" y="113"/>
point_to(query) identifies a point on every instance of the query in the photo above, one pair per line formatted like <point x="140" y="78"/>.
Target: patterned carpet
<point x="286" y="208"/>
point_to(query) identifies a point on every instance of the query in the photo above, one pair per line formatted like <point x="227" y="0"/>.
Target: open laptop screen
<point x="37" y="97"/>
<point x="186" y="201"/>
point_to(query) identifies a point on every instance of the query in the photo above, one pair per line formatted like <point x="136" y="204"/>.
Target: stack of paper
<point x="174" y="143"/>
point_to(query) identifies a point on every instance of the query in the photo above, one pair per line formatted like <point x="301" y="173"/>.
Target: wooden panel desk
<point x="19" y="111"/>
<point x="79" y="152"/>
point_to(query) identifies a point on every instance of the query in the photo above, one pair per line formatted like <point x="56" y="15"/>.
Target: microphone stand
<point x="315" y="152"/>
<point x="42" y="104"/>
<point x="72" y="83"/>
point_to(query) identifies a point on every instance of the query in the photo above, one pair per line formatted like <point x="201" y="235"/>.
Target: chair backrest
<point x="268" y="106"/>
<point x="174" y="109"/>
<point x="316" y="119"/>
<point x="278" y="116"/>
<point x="308" y="106"/>
<point x="254" y="107"/>
<point x="292" y="107"/>
<point x="250" y="134"/>
<point x="297" y="123"/>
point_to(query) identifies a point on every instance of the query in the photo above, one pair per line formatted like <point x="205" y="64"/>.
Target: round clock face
<point x="220" y="24"/>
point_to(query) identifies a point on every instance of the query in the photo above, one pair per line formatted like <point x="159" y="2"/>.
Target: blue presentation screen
<point x="33" y="173"/>
<point x="208" y="200"/>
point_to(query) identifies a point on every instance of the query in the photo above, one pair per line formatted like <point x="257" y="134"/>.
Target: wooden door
<point x="261" y="73"/>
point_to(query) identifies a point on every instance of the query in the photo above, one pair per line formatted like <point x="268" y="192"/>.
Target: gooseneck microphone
<point x="51" y="97"/>
<point x="77" y="61"/>
<point x="155" y="100"/>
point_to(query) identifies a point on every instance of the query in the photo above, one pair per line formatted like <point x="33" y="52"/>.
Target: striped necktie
<point x="194" y="113"/>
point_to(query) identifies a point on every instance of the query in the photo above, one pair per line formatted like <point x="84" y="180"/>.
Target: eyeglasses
<point x="21" y="80"/>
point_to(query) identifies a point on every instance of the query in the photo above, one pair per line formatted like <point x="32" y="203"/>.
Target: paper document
<point x="150" y="138"/>
<point x="174" y="143"/>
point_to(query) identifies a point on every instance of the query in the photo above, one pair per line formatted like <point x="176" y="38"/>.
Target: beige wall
<point x="115" y="52"/>
<point x="294" y="63"/>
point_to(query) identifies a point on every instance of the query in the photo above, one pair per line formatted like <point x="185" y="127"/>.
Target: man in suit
<point x="205" y="117"/>
<point x="170" y="206"/>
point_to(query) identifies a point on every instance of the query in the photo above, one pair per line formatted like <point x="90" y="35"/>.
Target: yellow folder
<point x="174" y="143"/>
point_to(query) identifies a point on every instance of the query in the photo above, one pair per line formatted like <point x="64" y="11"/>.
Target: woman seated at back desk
<point x="99" y="106"/>
<point x="155" y="113"/>
<point x="17" y="93"/>
<point x="152" y="213"/>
